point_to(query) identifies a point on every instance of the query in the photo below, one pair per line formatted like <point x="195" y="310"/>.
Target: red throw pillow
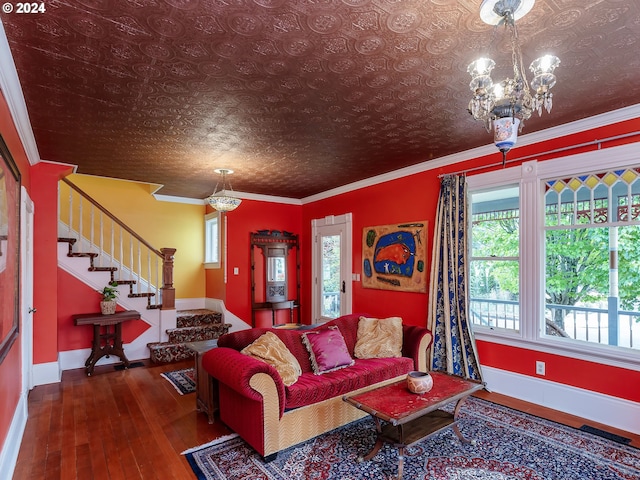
<point x="327" y="350"/>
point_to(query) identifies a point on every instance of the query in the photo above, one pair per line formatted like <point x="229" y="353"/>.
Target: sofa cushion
<point x="327" y="350"/>
<point x="312" y="388"/>
<point x="270" y="349"/>
<point x="378" y="338"/>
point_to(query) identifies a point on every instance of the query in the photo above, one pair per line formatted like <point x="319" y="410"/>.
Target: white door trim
<point x="26" y="300"/>
<point x="345" y="223"/>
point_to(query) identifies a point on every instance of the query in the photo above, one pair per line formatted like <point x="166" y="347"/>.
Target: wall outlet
<point x="236" y="270"/>
<point x="540" y="368"/>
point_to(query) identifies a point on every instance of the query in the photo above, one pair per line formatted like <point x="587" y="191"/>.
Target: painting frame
<point x="394" y="257"/>
<point x="10" y="184"/>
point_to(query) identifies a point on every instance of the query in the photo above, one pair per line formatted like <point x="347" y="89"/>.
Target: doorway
<point x="332" y="266"/>
<point x="26" y="301"/>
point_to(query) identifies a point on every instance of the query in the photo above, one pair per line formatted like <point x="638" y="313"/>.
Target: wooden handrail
<point x="112" y="217"/>
<point x="166" y="255"/>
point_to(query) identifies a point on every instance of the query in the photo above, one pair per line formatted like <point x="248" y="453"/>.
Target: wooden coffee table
<point x="403" y="418"/>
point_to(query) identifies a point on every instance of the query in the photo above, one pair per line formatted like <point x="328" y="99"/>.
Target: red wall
<point x="44" y="177"/>
<point x="11" y="366"/>
<point x="406" y="199"/>
<point x="76" y="297"/>
<point x="614" y="381"/>
<point x="415" y="198"/>
<point x="252" y="216"/>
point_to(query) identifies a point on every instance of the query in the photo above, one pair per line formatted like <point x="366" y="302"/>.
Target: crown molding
<point x="609" y="118"/>
<point x="242" y="195"/>
<point x="10" y="86"/>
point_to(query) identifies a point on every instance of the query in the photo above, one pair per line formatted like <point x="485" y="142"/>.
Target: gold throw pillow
<point x="378" y="338"/>
<point x="270" y="349"/>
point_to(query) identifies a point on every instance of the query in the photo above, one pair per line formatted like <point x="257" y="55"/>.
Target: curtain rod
<point x="548" y="152"/>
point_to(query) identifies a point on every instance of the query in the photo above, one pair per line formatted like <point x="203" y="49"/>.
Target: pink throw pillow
<point x="327" y="350"/>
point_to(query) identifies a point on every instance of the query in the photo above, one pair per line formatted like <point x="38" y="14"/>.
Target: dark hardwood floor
<point x="132" y="424"/>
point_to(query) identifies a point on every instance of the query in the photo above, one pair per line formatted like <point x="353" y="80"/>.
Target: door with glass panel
<point x="331" y="267"/>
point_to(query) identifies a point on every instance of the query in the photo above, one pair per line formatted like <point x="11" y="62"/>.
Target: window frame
<point x="506" y="331"/>
<point x="530" y="175"/>
<point x="208" y="219"/>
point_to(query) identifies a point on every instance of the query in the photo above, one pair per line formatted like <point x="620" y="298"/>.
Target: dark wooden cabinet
<point x="270" y="286"/>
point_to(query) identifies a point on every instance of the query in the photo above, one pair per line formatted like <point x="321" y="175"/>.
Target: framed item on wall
<point x="393" y="257"/>
<point x="9" y="250"/>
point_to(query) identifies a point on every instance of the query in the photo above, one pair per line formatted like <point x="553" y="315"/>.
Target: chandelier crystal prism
<point x="507" y="104"/>
<point x="221" y="200"/>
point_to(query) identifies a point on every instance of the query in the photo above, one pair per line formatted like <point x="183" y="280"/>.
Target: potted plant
<point x="109" y="294"/>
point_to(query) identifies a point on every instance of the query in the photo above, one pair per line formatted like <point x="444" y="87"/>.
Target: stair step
<point x="103" y="269"/>
<point x="197" y="334"/>
<point x="83" y="254"/>
<point x="175" y="349"/>
<point x="141" y="295"/>
<point x="197" y="317"/>
<point x="167" y="352"/>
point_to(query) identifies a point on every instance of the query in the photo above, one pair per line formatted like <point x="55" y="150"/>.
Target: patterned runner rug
<point x="184" y="381"/>
<point x="511" y="445"/>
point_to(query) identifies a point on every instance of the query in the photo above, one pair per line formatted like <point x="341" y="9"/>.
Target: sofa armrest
<point x="236" y="370"/>
<point x="415" y="344"/>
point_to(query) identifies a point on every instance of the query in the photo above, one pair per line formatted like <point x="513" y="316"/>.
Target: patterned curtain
<point x="454" y="348"/>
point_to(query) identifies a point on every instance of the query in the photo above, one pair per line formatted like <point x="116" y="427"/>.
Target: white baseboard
<point x="227" y="317"/>
<point x="44" y="373"/>
<point x="190" y="303"/>
<point x="11" y="447"/>
<point x="597" y="407"/>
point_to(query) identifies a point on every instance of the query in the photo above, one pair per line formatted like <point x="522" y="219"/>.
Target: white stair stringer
<point x="158" y="320"/>
<point x="105" y="260"/>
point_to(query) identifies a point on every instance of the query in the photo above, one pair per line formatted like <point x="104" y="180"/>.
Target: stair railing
<point x="115" y="247"/>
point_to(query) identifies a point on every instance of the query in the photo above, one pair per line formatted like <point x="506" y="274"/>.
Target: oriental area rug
<point x="184" y="381"/>
<point x="510" y="445"/>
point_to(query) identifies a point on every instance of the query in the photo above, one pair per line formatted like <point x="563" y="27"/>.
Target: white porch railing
<point x="580" y="323"/>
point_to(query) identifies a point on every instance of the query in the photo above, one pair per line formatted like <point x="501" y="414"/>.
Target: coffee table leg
<point x="456" y="429"/>
<point x="400" y="462"/>
<point x="376" y="448"/>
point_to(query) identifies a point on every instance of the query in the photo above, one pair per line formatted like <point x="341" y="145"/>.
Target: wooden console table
<point x="107" y="335"/>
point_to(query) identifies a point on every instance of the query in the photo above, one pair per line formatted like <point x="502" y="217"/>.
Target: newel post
<point x="168" y="292"/>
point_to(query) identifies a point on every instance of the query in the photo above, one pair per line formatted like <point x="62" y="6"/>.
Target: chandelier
<point x="507" y="104"/>
<point x="222" y="201"/>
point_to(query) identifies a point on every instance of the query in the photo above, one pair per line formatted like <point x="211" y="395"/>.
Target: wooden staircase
<point x="191" y="326"/>
<point x="93" y="268"/>
<point x="87" y="230"/>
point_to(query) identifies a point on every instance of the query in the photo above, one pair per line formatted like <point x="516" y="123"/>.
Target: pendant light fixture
<point x="221" y="200"/>
<point x="506" y="105"/>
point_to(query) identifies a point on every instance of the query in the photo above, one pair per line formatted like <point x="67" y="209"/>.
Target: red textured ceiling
<point x="297" y="96"/>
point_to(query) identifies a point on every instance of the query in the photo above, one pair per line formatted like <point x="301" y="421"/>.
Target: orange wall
<point x="11" y="366"/>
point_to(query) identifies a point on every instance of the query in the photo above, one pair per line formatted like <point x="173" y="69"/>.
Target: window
<point x="592" y="270"/>
<point x="212" y="244"/>
<point x="553" y="255"/>
<point x="494" y="286"/>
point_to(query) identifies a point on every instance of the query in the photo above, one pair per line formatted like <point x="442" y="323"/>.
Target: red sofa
<point x="270" y="416"/>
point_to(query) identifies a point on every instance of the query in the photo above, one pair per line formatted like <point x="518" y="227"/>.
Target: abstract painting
<point x="394" y="257"/>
